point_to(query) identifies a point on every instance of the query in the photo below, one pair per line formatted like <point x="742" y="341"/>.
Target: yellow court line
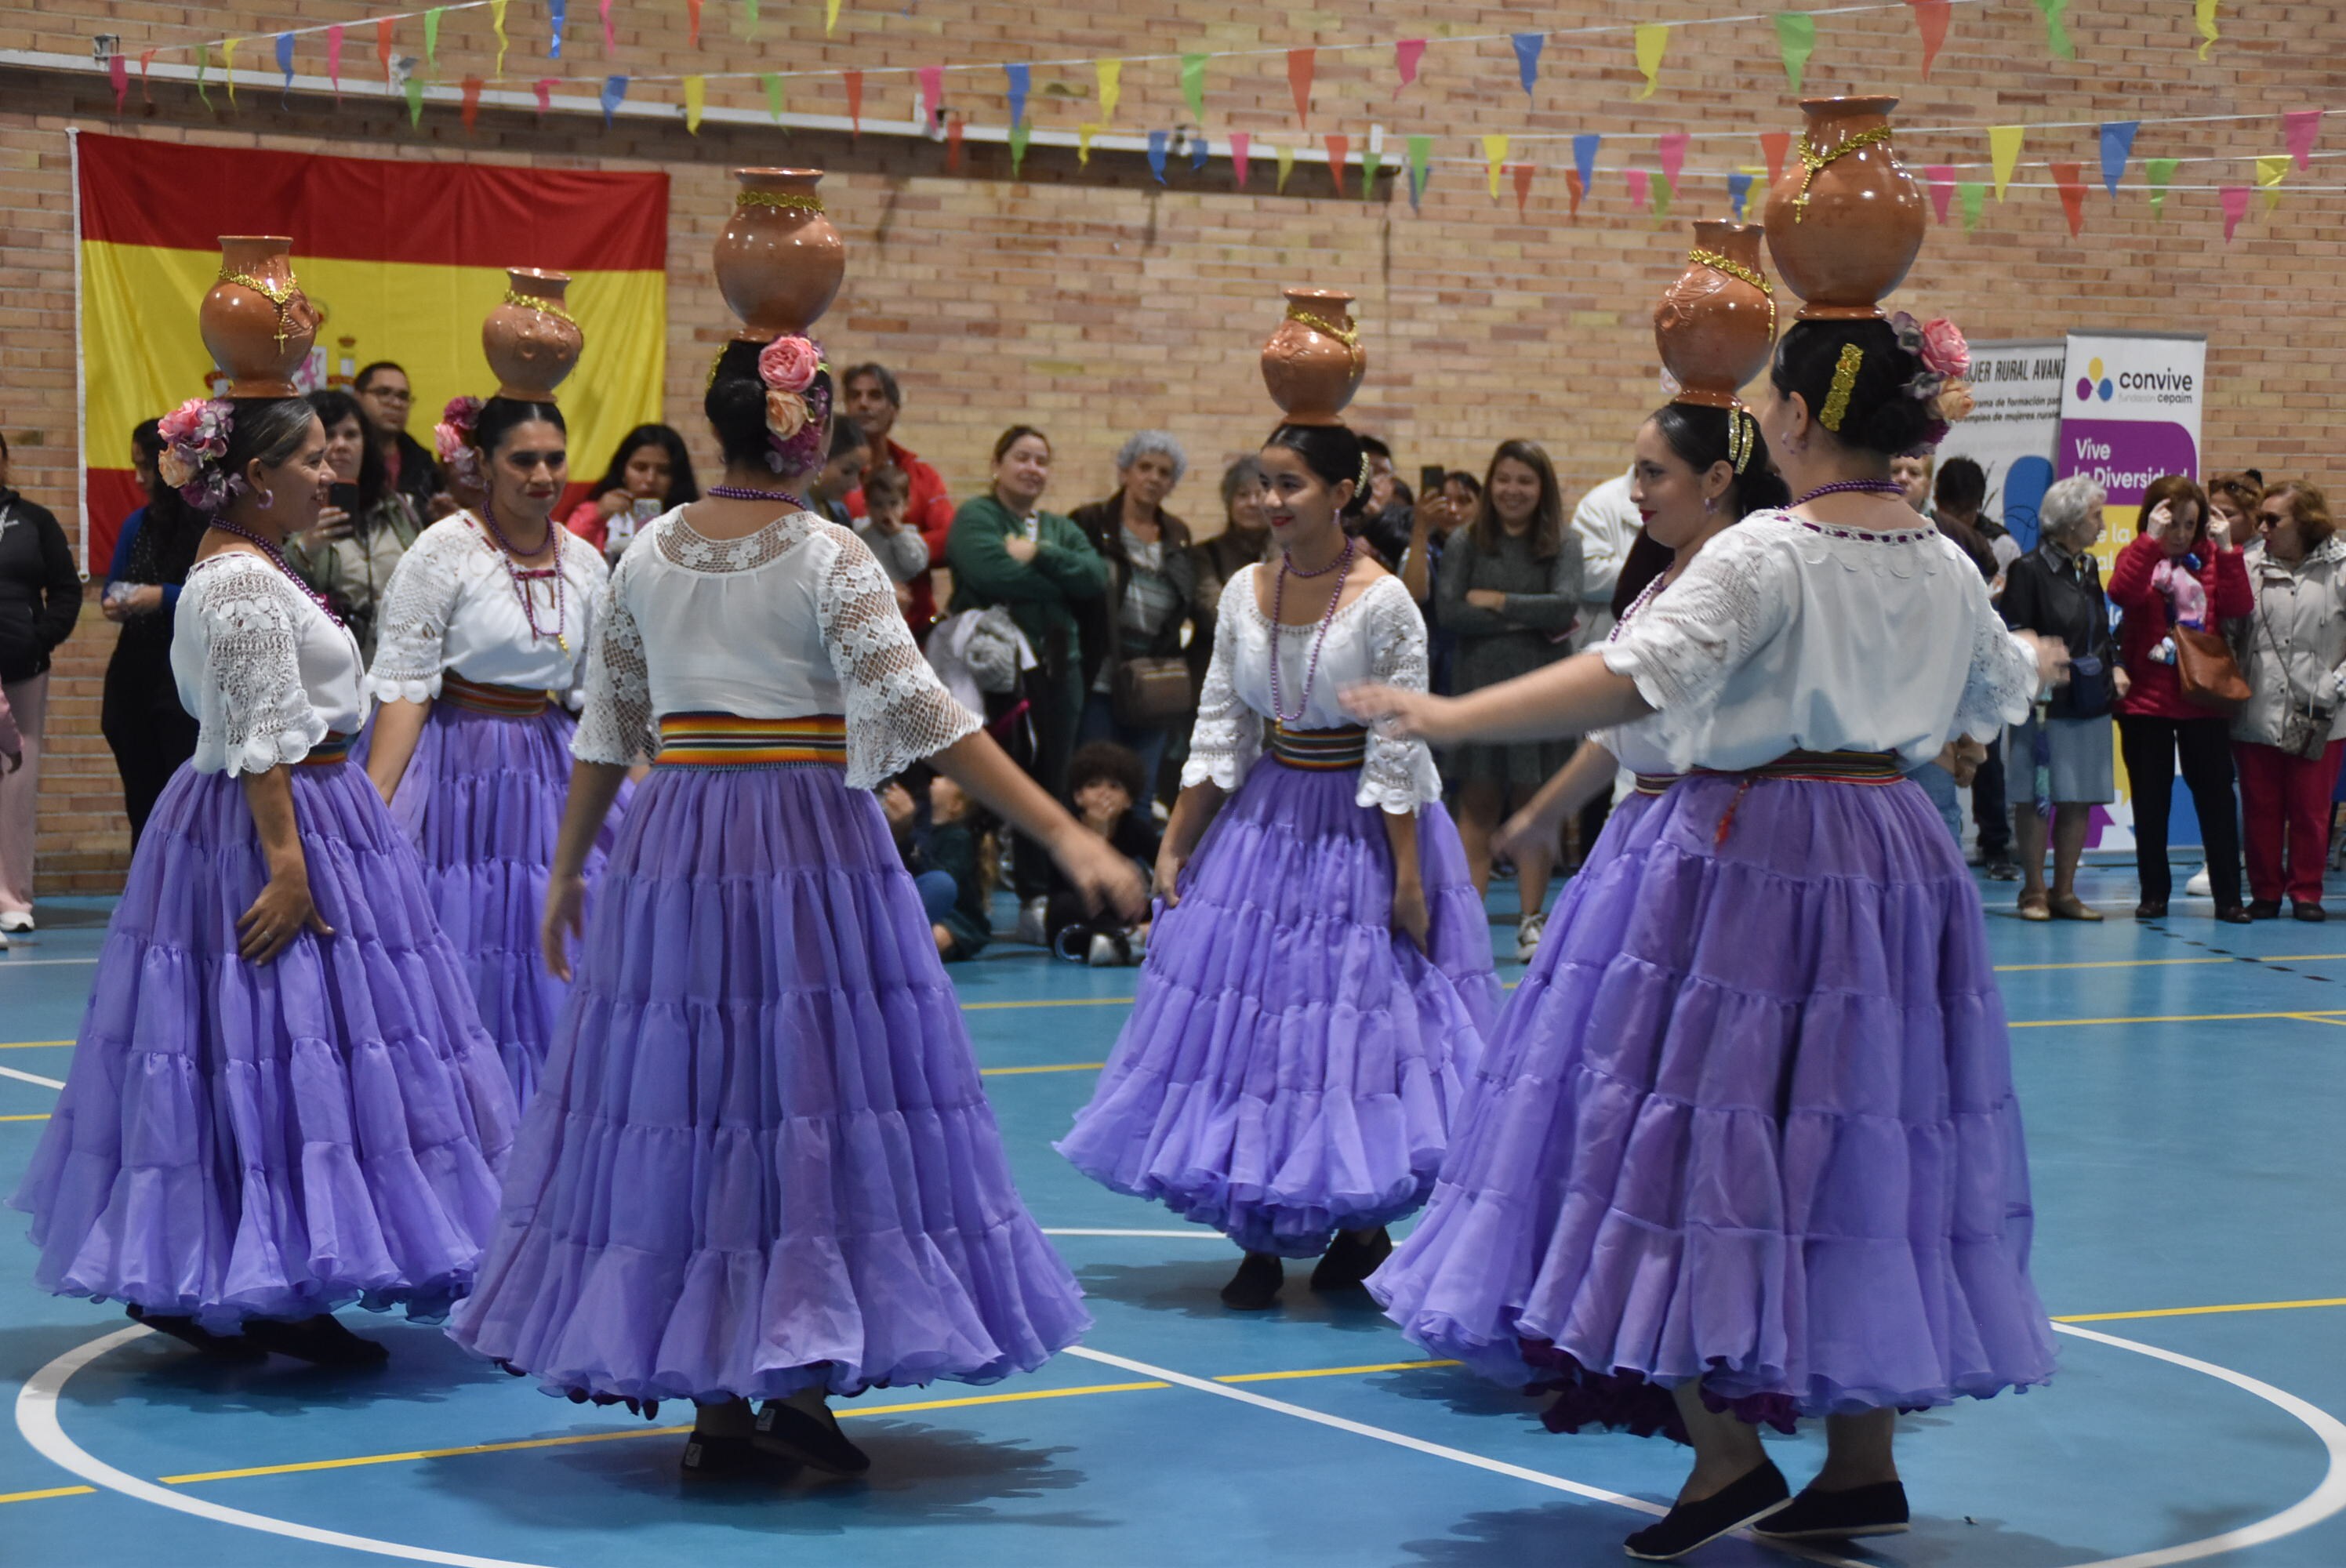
<point x="34" y="1116"/>
<point x="1055" y="1067"/>
<point x="1332" y="1371"/>
<point x="52" y="1492"/>
<point x="2110" y="963"/>
<point x="2322" y="1017"/>
<point x="2318" y="1018"/>
<point x="32" y="1045"/>
<point x="2203" y="1311"/>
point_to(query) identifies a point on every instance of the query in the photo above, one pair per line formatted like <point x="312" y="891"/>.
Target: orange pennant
<point x="1340" y="148"/>
<point x="854" y="101"/>
<point x="1572" y="184"/>
<point x="1299" y="81"/>
<point x="2069" y="178"/>
<point x="1931" y="18"/>
<point x="471" y="112"/>
<point x="1523" y="173"/>
<point x="1777" y="145"/>
<point x="952" y="144"/>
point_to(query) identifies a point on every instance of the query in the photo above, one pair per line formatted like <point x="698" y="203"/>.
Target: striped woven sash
<point x="1320" y="750"/>
<point x="335" y="748"/>
<point x="500" y="701"/>
<point x="723" y="740"/>
<point x="1804" y="767"/>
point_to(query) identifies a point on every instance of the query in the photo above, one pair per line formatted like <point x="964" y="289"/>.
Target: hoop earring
<point x="268" y="499"/>
<point x="1709" y="504"/>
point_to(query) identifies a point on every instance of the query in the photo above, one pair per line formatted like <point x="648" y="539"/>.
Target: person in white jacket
<point x="2290" y="739"/>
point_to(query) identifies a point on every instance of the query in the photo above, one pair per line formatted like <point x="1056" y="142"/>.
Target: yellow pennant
<point x="2204" y="13"/>
<point x="1084" y="135"/>
<point x="2003" y="153"/>
<point x="830" y="16"/>
<point x="696" y="100"/>
<point x="1286" y="164"/>
<point x="1111" y="88"/>
<point x="1495" y="154"/>
<point x="227" y="67"/>
<point x="2270" y="172"/>
<point x="1652" y="39"/>
<point x="497" y="21"/>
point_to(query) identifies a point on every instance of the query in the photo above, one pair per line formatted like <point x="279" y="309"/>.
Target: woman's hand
<point x="144" y="599"/>
<point x="1399" y="714"/>
<point x="1486" y="599"/>
<point x="1020" y="548"/>
<point x="333" y="524"/>
<point x="1409" y="911"/>
<point x="565" y="919"/>
<point x="2120" y="681"/>
<point x="1529" y="831"/>
<point x="2052" y="658"/>
<point x="282" y="912"/>
<point x="2163" y="527"/>
<point x="1169" y="864"/>
<point x="1106" y="878"/>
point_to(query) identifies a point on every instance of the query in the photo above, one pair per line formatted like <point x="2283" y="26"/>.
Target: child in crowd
<point x="650" y="473"/>
<point x="902" y="553"/>
<point x="840" y="474"/>
<point x="1106" y="790"/>
<point x="955" y="863"/>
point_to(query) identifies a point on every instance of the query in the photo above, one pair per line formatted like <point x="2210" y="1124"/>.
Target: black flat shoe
<point x="707" y="1457"/>
<point x="219" y="1347"/>
<point x="2264" y="909"/>
<point x="1348" y="1263"/>
<point x="788" y="1432"/>
<point x="2312" y="914"/>
<point x="2233" y="915"/>
<point x="2150" y="909"/>
<point x="1816" y="1515"/>
<point x="321" y="1340"/>
<point x="1255" y="1287"/>
<point x="1692" y="1525"/>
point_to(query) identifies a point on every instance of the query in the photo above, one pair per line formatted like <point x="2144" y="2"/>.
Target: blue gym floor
<point x="2188" y="1120"/>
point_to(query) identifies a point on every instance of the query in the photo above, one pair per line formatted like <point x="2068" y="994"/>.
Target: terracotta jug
<point x="256" y="321"/>
<point x="530" y="341"/>
<point x="1313" y="362"/>
<point x="779" y="261"/>
<point x="1844" y="222"/>
<point x="1718" y="322"/>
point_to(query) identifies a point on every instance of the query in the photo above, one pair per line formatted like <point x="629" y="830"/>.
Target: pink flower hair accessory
<point x="453" y="438"/>
<point x="789" y="364"/>
<point x="797" y="404"/>
<point x="195" y="439"/>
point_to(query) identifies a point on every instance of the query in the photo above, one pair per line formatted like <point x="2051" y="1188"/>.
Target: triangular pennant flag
<point x="1299" y="63"/>
<point x="1931" y="19"/>
<point x="772" y="82"/>
<point x="614" y="94"/>
<point x="1523" y="173"/>
<point x="1662" y="196"/>
<point x="830" y="18"/>
<point x="1973" y="195"/>
<point x="1738" y="191"/>
<point x="497" y="26"/>
<point x="382" y="46"/>
<point x="227" y="67"/>
<point x="932" y="79"/>
<point x="431" y="36"/>
<point x="610" y="38"/>
<point x="2117" y="146"/>
<point x="952" y="144"/>
<point x="1406" y="55"/>
<point x="1158" y="142"/>
<point x="1200" y="154"/>
<point x="1673" y="145"/>
<point x="1239" y="143"/>
<point x="749" y="17"/>
<point x="285" y="66"/>
<point x="2270" y="172"/>
<point x="1286" y="155"/>
<point x="2056" y="37"/>
<point x="1495" y="154"/>
<point x="1372" y="163"/>
<point x="1577" y="187"/>
<point x="117" y="76"/>
<point x="1083" y="133"/>
<point x="334" y="59"/>
<point x="1019" y="76"/>
<point x="1340" y="148"/>
<point x="1193" y="85"/>
<point x="1420" y="161"/>
<point x="1775" y="146"/>
<point x="2236" y="206"/>
<point x="853" y="81"/>
<point x="2003" y="153"/>
<point x="1111" y="88"/>
<point x="1641" y="188"/>
<point x="2302" y="126"/>
<point x="1652" y="40"/>
<point x="2069" y="179"/>
<point x="2156" y="172"/>
<point x="414" y="102"/>
<point x="1584" y="157"/>
<point x="1019" y="133"/>
<point x="544" y="88"/>
<point x="203" y="65"/>
<point x="1527" y="56"/>
<point x="692" y="23"/>
<point x="2203" y="12"/>
<point x="146" y="59"/>
<point x="1941" y="176"/>
<point x="470" y="111"/>
<point x="696" y="102"/>
<point x="557" y="17"/>
<point x="1796" y="36"/>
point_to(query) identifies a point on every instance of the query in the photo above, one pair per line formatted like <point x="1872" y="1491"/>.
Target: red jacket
<point x="2156" y="692"/>
<point x="929" y="510"/>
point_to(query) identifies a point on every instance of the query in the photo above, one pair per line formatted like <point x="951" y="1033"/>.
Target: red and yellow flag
<point x="404" y="259"/>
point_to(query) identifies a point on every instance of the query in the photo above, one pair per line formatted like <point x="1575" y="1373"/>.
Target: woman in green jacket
<point x="1005" y="549"/>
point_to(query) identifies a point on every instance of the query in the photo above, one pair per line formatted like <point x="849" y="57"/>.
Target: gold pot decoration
<point x="531" y="341"/>
<point x="1718" y="322"/>
<point x="1845" y="221"/>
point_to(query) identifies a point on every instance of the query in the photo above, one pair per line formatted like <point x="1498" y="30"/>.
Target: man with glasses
<point x="384" y="392"/>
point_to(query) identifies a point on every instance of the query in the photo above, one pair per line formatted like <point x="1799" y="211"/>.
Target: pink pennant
<point x="2304" y="126"/>
<point x="544" y="89"/>
<point x="1941" y="176"/>
<point x="1406" y="55"/>
<point x="1240" y="142"/>
<point x="1674" y="151"/>
<point x="610" y="39"/>
<point x="933" y="91"/>
<point x="2236" y="206"/>
<point x="118" y="71"/>
<point x="1641" y="188"/>
<point x="334" y="58"/>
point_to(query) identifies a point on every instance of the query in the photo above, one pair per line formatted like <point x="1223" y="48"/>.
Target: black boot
<point x="814" y="1440"/>
<point x="1255" y="1287"/>
<point x="1348" y="1261"/>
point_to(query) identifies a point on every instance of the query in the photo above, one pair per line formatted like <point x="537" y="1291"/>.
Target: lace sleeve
<point x="2002" y="678"/>
<point x="588" y="578"/>
<point x="616" y="725"/>
<point x="1227" y="738"/>
<point x="251" y="628"/>
<point x="411" y="630"/>
<point x="1696" y="634"/>
<point x="898" y="712"/>
<point x="1397" y="776"/>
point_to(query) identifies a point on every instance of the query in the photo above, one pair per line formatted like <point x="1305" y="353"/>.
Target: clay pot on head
<point x="1314" y="361"/>
<point x="1718" y="322"/>
<point x="1843" y="235"/>
<point x="256" y="321"/>
<point x="779" y="261"/>
<point x="530" y="340"/>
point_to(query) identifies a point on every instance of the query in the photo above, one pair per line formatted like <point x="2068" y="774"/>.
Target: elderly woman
<point x="2232" y="501"/>
<point x="1137" y="681"/>
<point x="2286" y="741"/>
<point x="2059" y="760"/>
<point x="2174" y="572"/>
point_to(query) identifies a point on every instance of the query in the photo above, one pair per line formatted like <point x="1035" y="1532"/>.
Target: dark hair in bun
<point x="1331" y="451"/>
<point x="501" y="416"/>
<point x="1698" y="438"/>
<point x="736" y="407"/>
<point x="1881" y="416"/>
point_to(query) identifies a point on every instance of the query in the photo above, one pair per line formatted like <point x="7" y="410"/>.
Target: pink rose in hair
<point x="1944" y="351"/>
<point x="785" y="413"/>
<point x="789" y="365"/>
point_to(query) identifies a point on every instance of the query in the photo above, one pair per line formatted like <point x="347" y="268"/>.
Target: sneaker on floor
<point x="1529" y="932"/>
<point x="2200" y="886"/>
<point x="15" y="919"/>
<point x="1109" y="952"/>
<point x="2003" y="868"/>
<point x="1032" y="927"/>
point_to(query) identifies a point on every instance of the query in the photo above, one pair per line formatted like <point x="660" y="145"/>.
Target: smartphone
<point x="344" y="497"/>
<point x="1429" y="480"/>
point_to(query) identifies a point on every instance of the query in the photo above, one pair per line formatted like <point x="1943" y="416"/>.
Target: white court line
<point x="1197" y="1233"/>
<point x="32" y="1078"/>
<point x="9" y="963"/>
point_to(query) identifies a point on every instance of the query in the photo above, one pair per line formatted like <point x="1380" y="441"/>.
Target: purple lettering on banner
<point x="2124" y="455"/>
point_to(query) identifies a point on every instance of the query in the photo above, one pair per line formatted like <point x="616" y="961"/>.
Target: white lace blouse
<point x="266" y="672"/>
<point x="1788" y="634"/>
<point x="452" y="605"/>
<point x="794" y="620"/>
<point x="1379" y="636"/>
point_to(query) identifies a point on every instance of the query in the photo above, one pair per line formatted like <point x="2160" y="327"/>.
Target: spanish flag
<point x="403" y="259"/>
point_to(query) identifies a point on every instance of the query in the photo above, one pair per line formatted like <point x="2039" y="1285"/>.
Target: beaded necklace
<point x="1343" y="565"/>
<point x="276" y="558"/>
<point x="521" y="579"/>
<point x="744" y="493"/>
<point x="1855" y="487"/>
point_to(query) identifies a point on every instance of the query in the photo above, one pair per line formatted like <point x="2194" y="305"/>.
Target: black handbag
<point x="1149" y="693"/>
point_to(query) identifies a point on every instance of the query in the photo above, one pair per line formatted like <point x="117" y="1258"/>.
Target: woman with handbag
<point x="1137" y="684"/>
<point x="2176" y="583"/>
<point x="2060" y="757"/>
<point x="2288" y="739"/>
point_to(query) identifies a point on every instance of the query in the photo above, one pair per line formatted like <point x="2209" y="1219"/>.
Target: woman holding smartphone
<point x="365" y="526"/>
<point x="650" y="474"/>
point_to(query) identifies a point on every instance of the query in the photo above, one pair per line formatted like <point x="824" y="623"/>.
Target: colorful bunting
<point x="1673" y="145"/>
<point x="2270" y="172"/>
<point x="1200" y="154"/>
<point x="2069" y="179"/>
<point x="614" y="94"/>
<point x="1651" y="40"/>
<point x="772" y="83"/>
<point x="1796" y="36"/>
<point x="414" y="102"/>
<point x="853" y="82"/>
<point x="1527" y="56"/>
<point x="1421" y="160"/>
<point x="1662" y="197"/>
<point x="1239" y="143"/>
<point x="2156" y="172"/>
<point x="2302" y="126"/>
<point x="1738" y="191"/>
<point x="932" y="79"/>
<point x="544" y="88"/>
<point x="432" y="37"/>
<point x="2117" y="146"/>
<point x="1942" y="177"/>
<point x="1286" y="155"/>
<point x="1775" y="146"/>
<point x="334" y="59"/>
<point x="1641" y="188"/>
<point x="1019" y="78"/>
<point x="1299" y="63"/>
<point x="2003" y="153"/>
<point x="146" y="59"/>
<point x="1158" y="142"/>
<point x="1083" y="133"/>
<point x="1019" y="133"/>
<point x="1931" y="18"/>
<point x="610" y="38"/>
<point x="497" y="26"/>
<point x="118" y="72"/>
<point x="1495" y="154"/>
<point x="1111" y="88"/>
<point x="1372" y="163"/>
<point x="382" y="46"/>
<point x="1583" y="156"/>
<point x="749" y="17"/>
<point x="1973" y="195"/>
<point x="1523" y="173"/>
<point x="1406" y="55"/>
<point x="696" y="102"/>
<point x="2204" y="14"/>
<point x="2236" y="206"/>
<point x="830" y="18"/>
<point x="558" y="16"/>
<point x="470" y="111"/>
<point x="2056" y="37"/>
<point x="1193" y="85"/>
<point x="203" y="61"/>
<point x="285" y="65"/>
<point x="1339" y="149"/>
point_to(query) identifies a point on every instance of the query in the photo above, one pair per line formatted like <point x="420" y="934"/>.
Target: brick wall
<point x="1091" y="300"/>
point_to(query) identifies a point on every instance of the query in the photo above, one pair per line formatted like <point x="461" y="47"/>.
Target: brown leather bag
<point x="1153" y="692"/>
<point x="2210" y="676"/>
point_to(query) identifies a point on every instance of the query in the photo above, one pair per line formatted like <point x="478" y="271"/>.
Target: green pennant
<point x="2056" y="37"/>
<point x="2155" y="173"/>
<point x="1372" y="163"/>
<point x="1661" y="195"/>
<point x="203" y="65"/>
<point x="1019" y="131"/>
<point x="773" y="96"/>
<point x="1193" y="85"/>
<point x="414" y="102"/>
<point x="431" y="36"/>
<point x="1796" y="36"/>
<point x="1973" y="194"/>
<point x="1421" y="154"/>
<point x="749" y="16"/>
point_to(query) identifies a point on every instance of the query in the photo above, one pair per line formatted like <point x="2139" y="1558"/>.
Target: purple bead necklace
<point x="1855" y="487"/>
<point x="269" y="548"/>
<point x="744" y="493"/>
<point x="1343" y="566"/>
<point x="521" y="579"/>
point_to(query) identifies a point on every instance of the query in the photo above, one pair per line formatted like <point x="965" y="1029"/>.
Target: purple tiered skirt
<point x="242" y="1142"/>
<point x="1292" y="1063"/>
<point x="1750" y="1119"/>
<point x="761" y="1157"/>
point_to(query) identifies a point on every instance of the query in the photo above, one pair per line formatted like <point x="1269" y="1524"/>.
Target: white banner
<point x="2129" y="414"/>
<point x="2010" y="434"/>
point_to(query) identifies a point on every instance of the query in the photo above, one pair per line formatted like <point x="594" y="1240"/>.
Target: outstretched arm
<point x="1571" y="696"/>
